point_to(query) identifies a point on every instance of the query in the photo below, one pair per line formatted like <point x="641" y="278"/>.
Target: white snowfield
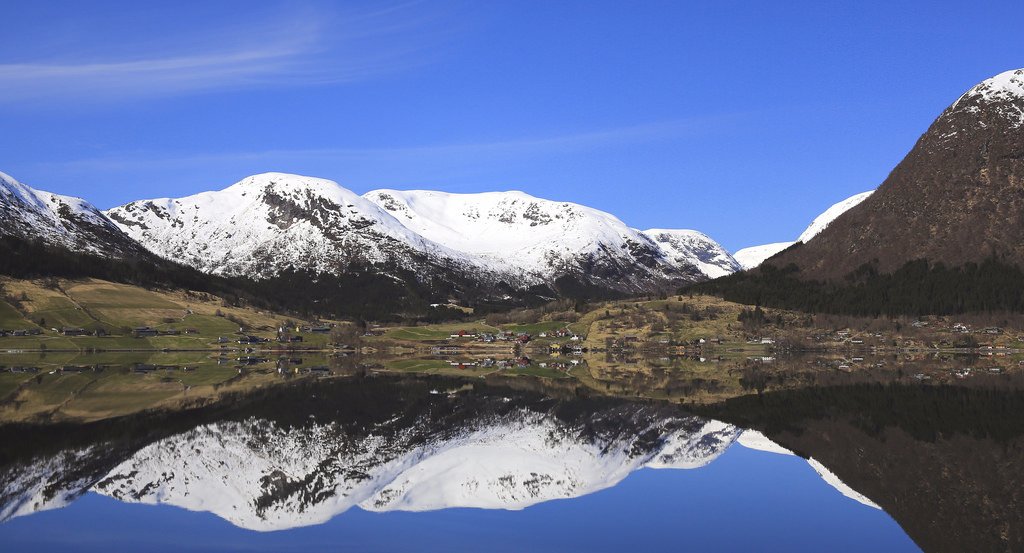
<point x="55" y="219"/>
<point x="753" y="256"/>
<point x="272" y="221"/>
<point x="831" y="214"/>
<point x="268" y="222"/>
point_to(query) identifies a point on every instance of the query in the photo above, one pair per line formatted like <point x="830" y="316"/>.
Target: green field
<point x="11" y="319"/>
<point x="436" y="332"/>
<point x="535" y="328"/>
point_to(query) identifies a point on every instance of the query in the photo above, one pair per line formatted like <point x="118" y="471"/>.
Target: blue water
<point x="745" y="500"/>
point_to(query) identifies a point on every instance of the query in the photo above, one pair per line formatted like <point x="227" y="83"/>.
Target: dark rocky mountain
<point x="957" y="197"/>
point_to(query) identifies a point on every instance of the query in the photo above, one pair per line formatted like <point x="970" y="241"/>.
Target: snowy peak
<point x="58" y="220"/>
<point x="1006" y="89"/>
<point x="269" y="222"/>
<point x="831" y="214"/>
<point x="953" y="199"/>
<point x="530" y="236"/>
<point x="690" y="246"/>
<point x="493" y="222"/>
<point x="752" y="256"/>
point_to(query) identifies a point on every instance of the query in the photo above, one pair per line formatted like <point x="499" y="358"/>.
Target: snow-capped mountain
<point x="1002" y="94"/>
<point x="58" y="220"/>
<point x="821" y="222"/>
<point x="534" y="238"/>
<point x="683" y="247"/>
<point x="270" y="222"/>
<point x="752" y="256"/>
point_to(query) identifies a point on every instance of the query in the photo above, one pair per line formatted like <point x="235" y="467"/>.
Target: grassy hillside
<point x="115" y="309"/>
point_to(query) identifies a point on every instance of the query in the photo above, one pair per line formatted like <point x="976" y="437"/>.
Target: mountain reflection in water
<point x="943" y="461"/>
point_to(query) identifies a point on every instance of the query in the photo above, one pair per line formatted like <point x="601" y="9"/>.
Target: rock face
<point x="62" y="221"/>
<point x="272" y="222"/>
<point x="957" y="197"/>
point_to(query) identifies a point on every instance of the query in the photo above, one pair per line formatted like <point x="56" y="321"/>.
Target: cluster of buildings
<point x="21" y="332"/>
<point x="490" y="338"/>
<point x="145" y="331"/>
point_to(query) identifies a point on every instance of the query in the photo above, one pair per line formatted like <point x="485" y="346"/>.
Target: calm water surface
<point x="414" y="463"/>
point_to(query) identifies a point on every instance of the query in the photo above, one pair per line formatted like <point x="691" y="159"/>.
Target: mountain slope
<point x="821" y="222"/>
<point x="957" y="197"/>
<point x="272" y="223"/>
<point x="61" y="221"/>
<point x="536" y="239"/>
<point x="269" y="222"/>
<point x="690" y="247"/>
<point x="753" y="256"/>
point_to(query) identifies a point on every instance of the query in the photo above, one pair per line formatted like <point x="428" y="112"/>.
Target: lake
<point x="384" y="461"/>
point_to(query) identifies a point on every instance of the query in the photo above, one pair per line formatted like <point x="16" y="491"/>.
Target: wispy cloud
<point x="301" y="49"/>
<point x="465" y="153"/>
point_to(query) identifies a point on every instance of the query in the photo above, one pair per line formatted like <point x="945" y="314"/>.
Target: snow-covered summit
<point x="274" y="221"/>
<point x="753" y="256"/>
<point x="1006" y="86"/>
<point x="58" y="220"/>
<point x="1001" y="96"/>
<point x="268" y="222"/>
<point x="831" y="214"/>
<point x="533" y="237"/>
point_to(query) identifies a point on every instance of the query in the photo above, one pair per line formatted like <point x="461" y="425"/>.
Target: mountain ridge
<point x="957" y="197"/>
<point x="274" y="221"/>
<point x="752" y="256"/>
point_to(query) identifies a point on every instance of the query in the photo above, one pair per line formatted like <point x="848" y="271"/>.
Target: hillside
<point x="957" y="197"/>
<point x="60" y="221"/>
<point x="753" y="256"/>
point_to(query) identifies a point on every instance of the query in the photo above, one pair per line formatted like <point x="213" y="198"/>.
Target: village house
<point x="141" y="331"/>
<point x="252" y="340"/>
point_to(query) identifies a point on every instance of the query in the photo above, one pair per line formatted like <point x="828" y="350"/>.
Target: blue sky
<point x="740" y="119"/>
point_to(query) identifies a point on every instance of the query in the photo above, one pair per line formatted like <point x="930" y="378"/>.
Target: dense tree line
<point x="917" y="288"/>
